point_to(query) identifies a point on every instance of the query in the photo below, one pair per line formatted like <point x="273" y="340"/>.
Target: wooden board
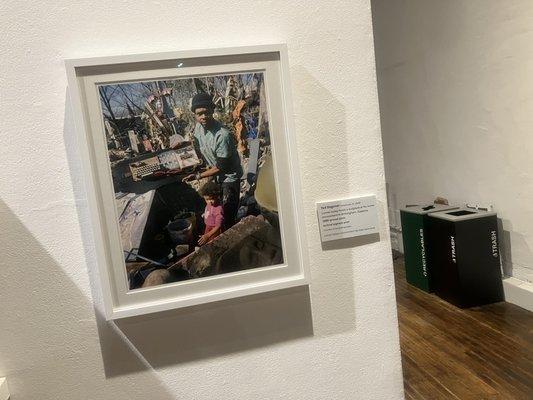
<point x="133" y="213"/>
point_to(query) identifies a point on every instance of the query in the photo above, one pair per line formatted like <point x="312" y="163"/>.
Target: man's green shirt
<point x="219" y="149"/>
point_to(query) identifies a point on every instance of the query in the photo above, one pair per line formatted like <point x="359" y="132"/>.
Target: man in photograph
<point x="218" y="148"/>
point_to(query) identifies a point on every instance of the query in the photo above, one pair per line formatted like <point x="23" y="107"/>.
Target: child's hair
<point x="211" y="189"/>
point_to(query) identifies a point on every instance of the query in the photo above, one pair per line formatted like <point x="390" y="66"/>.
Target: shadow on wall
<point x="514" y="266"/>
<point x="320" y="118"/>
<point x="47" y="333"/>
<point x="506" y="257"/>
<point x="194" y="333"/>
<point x="212" y="330"/>
<point x="351" y="242"/>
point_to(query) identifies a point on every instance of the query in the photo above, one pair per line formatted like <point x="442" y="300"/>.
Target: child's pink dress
<point x="213" y="217"/>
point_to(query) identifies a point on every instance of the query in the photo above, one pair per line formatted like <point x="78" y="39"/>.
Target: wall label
<point x="341" y="219"/>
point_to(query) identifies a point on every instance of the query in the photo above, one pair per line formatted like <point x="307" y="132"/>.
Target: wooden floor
<point x="448" y="353"/>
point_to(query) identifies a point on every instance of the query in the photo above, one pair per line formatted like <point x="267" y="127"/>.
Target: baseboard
<point x="4" y="391"/>
<point x="396" y="239"/>
<point x="518" y="292"/>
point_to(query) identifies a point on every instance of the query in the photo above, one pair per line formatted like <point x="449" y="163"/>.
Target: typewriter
<point x="178" y="159"/>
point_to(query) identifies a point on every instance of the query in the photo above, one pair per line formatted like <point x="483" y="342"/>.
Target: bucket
<point x="180" y="231"/>
<point x="188" y="216"/>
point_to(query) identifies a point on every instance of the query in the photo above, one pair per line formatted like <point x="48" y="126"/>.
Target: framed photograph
<point x="191" y="174"/>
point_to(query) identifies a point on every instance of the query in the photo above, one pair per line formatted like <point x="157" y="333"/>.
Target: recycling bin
<point x="465" y="257"/>
<point x="414" y="234"/>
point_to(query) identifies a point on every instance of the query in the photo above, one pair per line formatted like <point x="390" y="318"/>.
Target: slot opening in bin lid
<point x="460" y="213"/>
<point x="428" y="208"/>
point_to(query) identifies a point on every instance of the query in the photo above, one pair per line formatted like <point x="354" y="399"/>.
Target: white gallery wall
<point x="337" y="340"/>
<point x="456" y="98"/>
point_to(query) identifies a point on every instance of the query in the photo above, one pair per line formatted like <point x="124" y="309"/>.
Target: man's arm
<point x="204" y="174"/>
<point x="223" y="150"/>
<point x="211" y="171"/>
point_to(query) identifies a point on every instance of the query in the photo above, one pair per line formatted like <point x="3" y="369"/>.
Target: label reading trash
<point x="341" y="219"/>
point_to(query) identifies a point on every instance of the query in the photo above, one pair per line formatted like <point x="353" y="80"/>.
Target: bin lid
<point x="423" y="209"/>
<point x="461" y="214"/>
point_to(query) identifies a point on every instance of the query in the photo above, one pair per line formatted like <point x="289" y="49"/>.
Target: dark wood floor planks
<point x="448" y="353"/>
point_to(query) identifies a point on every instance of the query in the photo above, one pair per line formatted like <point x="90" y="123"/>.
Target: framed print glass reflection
<point x="191" y="173"/>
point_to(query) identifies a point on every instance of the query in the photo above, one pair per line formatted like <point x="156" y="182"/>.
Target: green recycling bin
<point x="415" y="239"/>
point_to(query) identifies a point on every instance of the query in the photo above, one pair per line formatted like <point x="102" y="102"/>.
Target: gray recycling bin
<point x="414" y="234"/>
<point x="465" y="256"/>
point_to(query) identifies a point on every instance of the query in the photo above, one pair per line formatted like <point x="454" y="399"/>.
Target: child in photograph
<point x="214" y="212"/>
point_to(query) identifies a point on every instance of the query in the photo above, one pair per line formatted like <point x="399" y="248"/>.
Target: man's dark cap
<point x="202" y="100"/>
